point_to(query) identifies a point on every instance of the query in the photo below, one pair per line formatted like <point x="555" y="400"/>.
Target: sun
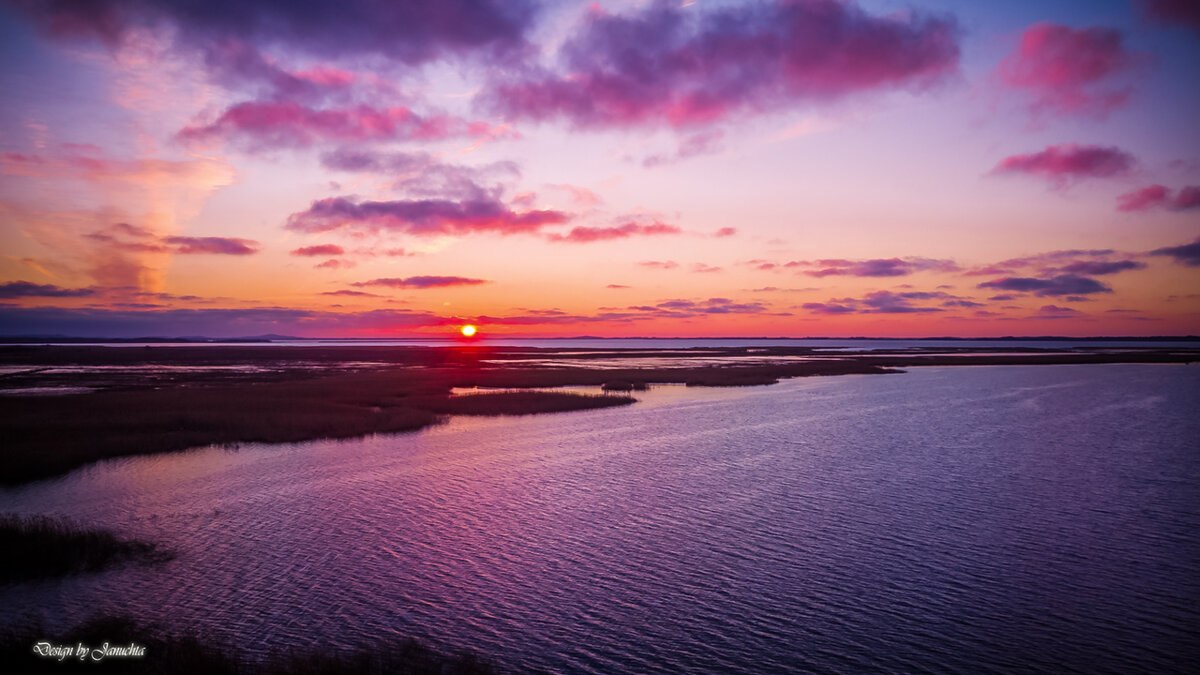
<point x="468" y="330"/>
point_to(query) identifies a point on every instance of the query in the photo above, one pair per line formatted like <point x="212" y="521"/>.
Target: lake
<point x="949" y="519"/>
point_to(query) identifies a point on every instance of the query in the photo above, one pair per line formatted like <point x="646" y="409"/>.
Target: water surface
<point x="966" y="519"/>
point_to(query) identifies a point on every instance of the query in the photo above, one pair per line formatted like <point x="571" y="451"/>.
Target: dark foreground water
<point x="970" y="519"/>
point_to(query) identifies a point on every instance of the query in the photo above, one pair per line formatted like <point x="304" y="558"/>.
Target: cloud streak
<point x="581" y="235"/>
<point x="422" y="282"/>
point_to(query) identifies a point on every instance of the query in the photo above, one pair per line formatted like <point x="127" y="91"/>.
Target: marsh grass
<point x="47" y="436"/>
<point x="39" y="547"/>
<point x="193" y="654"/>
<point x="524" y="403"/>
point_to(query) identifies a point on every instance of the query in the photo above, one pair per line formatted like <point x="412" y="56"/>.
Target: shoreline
<point x="147" y="401"/>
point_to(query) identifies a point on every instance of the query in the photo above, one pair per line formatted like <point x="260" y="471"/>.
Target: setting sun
<point x="468" y="331"/>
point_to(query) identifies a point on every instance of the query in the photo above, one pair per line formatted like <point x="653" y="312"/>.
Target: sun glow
<point x="468" y="331"/>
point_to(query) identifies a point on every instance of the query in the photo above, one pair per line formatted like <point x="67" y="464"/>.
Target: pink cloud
<point x="428" y="217"/>
<point x="703" y="143"/>
<point x="725" y="232"/>
<point x="353" y="294"/>
<point x="1068" y="162"/>
<point x="659" y="264"/>
<point x="93" y="166"/>
<point x="322" y="249"/>
<point x="665" y="64"/>
<point x="581" y="196"/>
<point x="1143" y="199"/>
<point x="283" y="124"/>
<point x="422" y="282"/>
<point x="1068" y="71"/>
<point x="703" y="268"/>
<point x="335" y="264"/>
<point x="590" y="234"/>
<point x="1159" y="196"/>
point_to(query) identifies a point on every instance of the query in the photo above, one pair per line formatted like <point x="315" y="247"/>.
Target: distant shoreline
<point x="122" y="402"/>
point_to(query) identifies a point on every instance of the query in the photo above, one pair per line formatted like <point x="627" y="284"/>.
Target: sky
<point x="782" y="168"/>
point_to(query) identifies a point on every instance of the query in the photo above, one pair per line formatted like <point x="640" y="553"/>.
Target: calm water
<point x="971" y="519"/>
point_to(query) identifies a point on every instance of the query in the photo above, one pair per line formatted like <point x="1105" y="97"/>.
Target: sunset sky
<point x="700" y="168"/>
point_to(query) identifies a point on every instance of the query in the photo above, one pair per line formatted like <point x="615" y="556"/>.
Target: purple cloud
<point x="1063" y="284"/>
<point x="26" y="289"/>
<point x="212" y="245"/>
<point x="880" y="267"/>
<point x="683" y="309"/>
<point x="1185" y="254"/>
<point x="664" y="64"/>
<point x="1099" y="267"/>
<point x="222" y="322"/>
<point x="887" y="302"/>
<point x="830" y="307"/>
<point x="426" y="217"/>
<point x="1055" y="312"/>
<point x="412" y="32"/>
